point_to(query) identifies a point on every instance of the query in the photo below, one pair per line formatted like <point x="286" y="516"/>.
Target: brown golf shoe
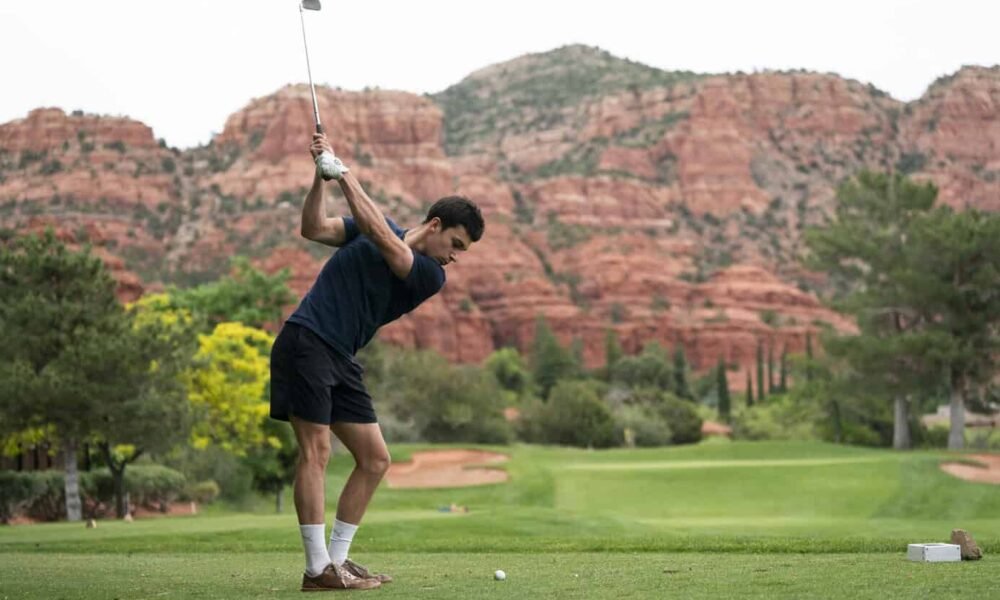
<point x="336" y="578"/>
<point x="362" y="572"/>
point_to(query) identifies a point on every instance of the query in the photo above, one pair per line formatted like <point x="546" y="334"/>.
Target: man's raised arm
<point x="316" y="226"/>
<point x="367" y="216"/>
<point x="372" y="223"/>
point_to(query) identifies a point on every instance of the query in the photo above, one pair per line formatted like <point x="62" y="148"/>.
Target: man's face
<point x="444" y="245"/>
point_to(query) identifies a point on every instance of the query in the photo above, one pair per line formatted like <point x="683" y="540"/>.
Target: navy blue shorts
<point x="314" y="382"/>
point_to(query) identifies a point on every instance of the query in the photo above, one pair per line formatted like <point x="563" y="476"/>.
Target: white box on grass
<point x="934" y="552"/>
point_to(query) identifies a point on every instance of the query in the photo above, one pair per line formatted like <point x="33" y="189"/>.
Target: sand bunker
<point x="989" y="472"/>
<point x="447" y="468"/>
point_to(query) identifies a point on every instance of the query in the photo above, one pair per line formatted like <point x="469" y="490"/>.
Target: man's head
<point x="454" y="224"/>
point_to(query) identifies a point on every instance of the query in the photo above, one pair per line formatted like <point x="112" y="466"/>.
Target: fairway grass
<point x="529" y="575"/>
<point x="748" y="520"/>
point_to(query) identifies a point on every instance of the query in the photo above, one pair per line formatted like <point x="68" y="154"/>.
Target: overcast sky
<point x="183" y="66"/>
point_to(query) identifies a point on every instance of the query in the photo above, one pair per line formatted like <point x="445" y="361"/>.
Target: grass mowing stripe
<point x="723" y="464"/>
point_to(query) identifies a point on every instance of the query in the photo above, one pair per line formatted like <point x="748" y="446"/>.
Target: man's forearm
<point x="367" y="215"/>
<point x="314" y="208"/>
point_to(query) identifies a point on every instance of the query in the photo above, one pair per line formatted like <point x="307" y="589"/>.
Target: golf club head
<point x="310" y="4"/>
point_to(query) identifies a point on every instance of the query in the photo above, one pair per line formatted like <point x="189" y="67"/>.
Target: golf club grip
<point x="319" y="128"/>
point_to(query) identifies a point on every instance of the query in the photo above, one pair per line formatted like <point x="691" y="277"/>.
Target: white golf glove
<point x="330" y="167"/>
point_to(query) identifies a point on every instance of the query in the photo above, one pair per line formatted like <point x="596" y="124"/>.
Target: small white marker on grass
<point x="499" y="575"/>
<point x="934" y="552"/>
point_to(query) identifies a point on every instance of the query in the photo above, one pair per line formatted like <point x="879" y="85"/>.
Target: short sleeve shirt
<point x="356" y="292"/>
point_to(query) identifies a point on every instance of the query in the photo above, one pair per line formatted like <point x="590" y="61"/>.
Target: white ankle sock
<point x="317" y="557"/>
<point x="340" y="541"/>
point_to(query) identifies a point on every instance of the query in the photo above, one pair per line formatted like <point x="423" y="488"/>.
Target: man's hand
<point x="328" y="165"/>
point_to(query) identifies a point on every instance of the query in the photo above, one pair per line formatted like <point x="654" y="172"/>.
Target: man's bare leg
<point x="371" y="460"/>
<point x="310" y="481"/>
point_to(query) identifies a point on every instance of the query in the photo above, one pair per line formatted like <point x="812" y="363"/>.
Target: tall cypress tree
<point x="550" y="361"/>
<point x="770" y="367"/>
<point x="612" y="352"/>
<point x="809" y="356"/>
<point x="760" y="372"/>
<point x="783" y="383"/>
<point x="723" y="390"/>
<point x="749" y="390"/>
<point x="576" y="351"/>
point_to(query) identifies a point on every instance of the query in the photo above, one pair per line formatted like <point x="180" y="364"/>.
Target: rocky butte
<point x="667" y="206"/>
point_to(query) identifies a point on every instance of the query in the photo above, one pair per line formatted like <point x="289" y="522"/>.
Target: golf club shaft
<point x="312" y="88"/>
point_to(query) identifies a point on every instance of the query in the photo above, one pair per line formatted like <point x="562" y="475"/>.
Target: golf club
<point x="324" y="161"/>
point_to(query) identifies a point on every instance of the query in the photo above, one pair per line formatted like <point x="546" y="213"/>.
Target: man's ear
<point x="436" y="225"/>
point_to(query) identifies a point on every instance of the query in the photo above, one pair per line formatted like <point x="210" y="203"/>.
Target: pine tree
<point x="82" y="365"/>
<point x="952" y="275"/>
<point x="863" y="253"/>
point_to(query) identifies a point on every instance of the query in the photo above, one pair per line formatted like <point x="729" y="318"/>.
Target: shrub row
<point x="41" y="495"/>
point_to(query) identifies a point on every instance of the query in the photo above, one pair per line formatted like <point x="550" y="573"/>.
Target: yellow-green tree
<point x="227" y="386"/>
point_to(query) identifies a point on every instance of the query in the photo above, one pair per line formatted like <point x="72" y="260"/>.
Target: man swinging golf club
<point x="380" y="273"/>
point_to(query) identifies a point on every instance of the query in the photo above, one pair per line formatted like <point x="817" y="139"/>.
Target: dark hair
<point x="457" y="210"/>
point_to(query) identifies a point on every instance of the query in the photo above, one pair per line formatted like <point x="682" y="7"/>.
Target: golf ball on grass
<point x="499" y="575"/>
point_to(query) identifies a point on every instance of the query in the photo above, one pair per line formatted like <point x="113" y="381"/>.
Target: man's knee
<point x="375" y="464"/>
<point x="315" y="451"/>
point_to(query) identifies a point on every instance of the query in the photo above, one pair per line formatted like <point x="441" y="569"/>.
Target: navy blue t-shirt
<point x="357" y="292"/>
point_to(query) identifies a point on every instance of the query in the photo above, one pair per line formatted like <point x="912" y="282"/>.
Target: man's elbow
<point x="309" y="233"/>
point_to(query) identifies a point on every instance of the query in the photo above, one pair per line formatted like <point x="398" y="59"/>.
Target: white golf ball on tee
<point x="499" y="575"/>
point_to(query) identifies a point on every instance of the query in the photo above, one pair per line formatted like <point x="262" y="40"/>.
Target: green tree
<point x="247" y="295"/>
<point x="576" y="350"/>
<point x="273" y="463"/>
<point x="551" y="362"/>
<point x="770" y="368"/>
<point x="574" y="415"/>
<point x="48" y="297"/>
<point x="952" y="280"/>
<point x="749" y="390"/>
<point x="510" y="371"/>
<point x="863" y="252"/>
<point x="82" y="366"/>
<point x="141" y="400"/>
<point x="722" y="386"/>
<point x="648" y="369"/>
<point x="443" y="402"/>
<point x="612" y="352"/>
<point x="809" y="353"/>
<point x="682" y="416"/>
<point x="783" y="380"/>
<point x="681" y="387"/>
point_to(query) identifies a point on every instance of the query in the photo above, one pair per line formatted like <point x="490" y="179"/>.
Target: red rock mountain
<point x="666" y="206"/>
